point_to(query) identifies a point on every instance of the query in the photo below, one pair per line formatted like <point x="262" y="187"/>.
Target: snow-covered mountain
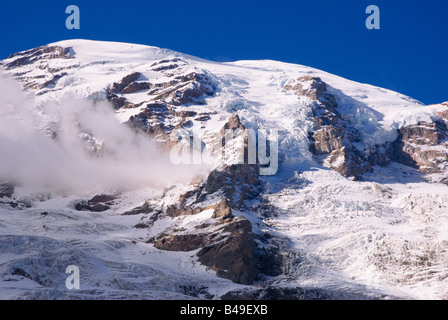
<point x="357" y="208"/>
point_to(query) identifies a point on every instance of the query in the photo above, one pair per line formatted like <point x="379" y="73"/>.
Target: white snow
<point x="386" y="235"/>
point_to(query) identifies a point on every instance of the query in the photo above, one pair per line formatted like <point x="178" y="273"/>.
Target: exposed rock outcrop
<point x="312" y="87"/>
<point x="152" y="120"/>
<point x="233" y="123"/>
<point x="293" y="293"/>
<point x="227" y="245"/>
<point x="171" y="99"/>
<point x="98" y="203"/>
<point x="234" y="258"/>
<point x="127" y="84"/>
<point x="424" y="146"/>
<point x="143" y="209"/>
<point x="230" y="249"/>
<point x="183" y="89"/>
<point x="6" y="189"/>
<point x="182" y="242"/>
<point x="117" y="87"/>
<point x="332" y="135"/>
<point x="40" y="53"/>
<point x="42" y="75"/>
<point x="223" y="209"/>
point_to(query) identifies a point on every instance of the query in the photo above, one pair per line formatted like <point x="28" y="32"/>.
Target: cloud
<point x="77" y="145"/>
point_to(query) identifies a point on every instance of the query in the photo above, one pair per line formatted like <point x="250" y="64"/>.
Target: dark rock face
<point x="235" y="184"/>
<point x="6" y="190"/>
<point x="86" y="206"/>
<point x="143" y="209"/>
<point x="159" y="120"/>
<point x="184" y="89"/>
<point x="33" y="55"/>
<point x="102" y="198"/>
<point x="136" y="87"/>
<point x="52" y="82"/>
<point x="167" y="64"/>
<point x="181" y="242"/>
<point x="423" y="133"/>
<point x="203" y="117"/>
<point x="233" y="123"/>
<point x="423" y="146"/>
<point x="227" y="245"/>
<point x="194" y="87"/>
<point x="348" y="162"/>
<point x="239" y="183"/>
<point x="234" y="258"/>
<point x="332" y="135"/>
<point x="168" y="111"/>
<point x="152" y="120"/>
<point x="223" y="209"/>
<point x="311" y="87"/>
<point x="184" y="113"/>
<point x="98" y="203"/>
<point x="328" y="139"/>
<point x="127" y="84"/>
<point x="187" y="205"/>
<point x="119" y="102"/>
<point x="126" y="81"/>
<point x="230" y="250"/>
<point x="49" y="76"/>
<point x="292" y="293"/>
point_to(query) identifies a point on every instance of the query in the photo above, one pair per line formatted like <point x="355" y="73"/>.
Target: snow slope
<point x="384" y="236"/>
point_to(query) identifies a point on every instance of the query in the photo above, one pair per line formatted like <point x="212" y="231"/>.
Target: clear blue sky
<point x="408" y="54"/>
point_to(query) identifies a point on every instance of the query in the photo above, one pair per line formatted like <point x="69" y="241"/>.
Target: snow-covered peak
<point x="350" y="212"/>
<point x="89" y="51"/>
<point x="96" y="64"/>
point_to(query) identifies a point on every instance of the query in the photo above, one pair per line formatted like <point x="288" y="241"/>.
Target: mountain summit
<point x="355" y="208"/>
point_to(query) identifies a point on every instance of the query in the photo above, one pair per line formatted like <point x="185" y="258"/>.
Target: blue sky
<point x="409" y="54"/>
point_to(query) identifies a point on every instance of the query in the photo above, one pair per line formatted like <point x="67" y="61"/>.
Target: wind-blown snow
<point x="41" y="146"/>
